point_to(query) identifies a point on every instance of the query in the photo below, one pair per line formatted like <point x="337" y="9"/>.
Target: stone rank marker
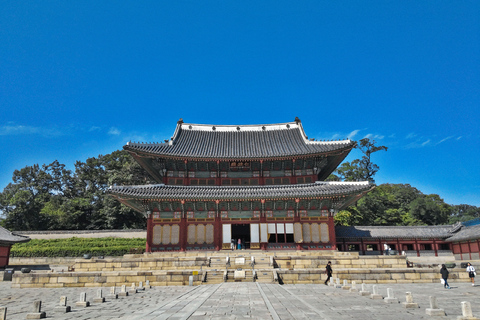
<point x="390" y="297"/>
<point x="112" y="294"/>
<point x="132" y="289"/>
<point x="354" y="287"/>
<point x="375" y="295"/>
<point x="83" y="300"/>
<point x="140" y="286"/>
<point x="123" y="291"/>
<point x="409" y="301"/>
<point x="147" y="284"/>
<point x="434" y="310"/>
<point x="37" y="311"/>
<point x="466" y="312"/>
<point x="364" y="291"/>
<point x="99" y="298"/>
<point x="62" y="307"/>
<point x="337" y="283"/>
<point x="3" y="313"/>
<point x="345" y="285"/>
<point x="331" y="283"/>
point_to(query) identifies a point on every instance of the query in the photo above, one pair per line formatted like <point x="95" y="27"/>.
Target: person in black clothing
<point x="328" y="271"/>
<point x="444" y="273"/>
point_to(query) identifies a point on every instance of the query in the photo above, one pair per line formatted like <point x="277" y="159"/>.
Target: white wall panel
<point x="263" y="232"/>
<point x="254" y="233"/>
<point x="227" y="233"/>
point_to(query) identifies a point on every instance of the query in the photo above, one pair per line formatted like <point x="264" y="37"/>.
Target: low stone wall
<point x="406" y="275"/>
<point x="354" y="261"/>
<point x="103" y="279"/>
<point x="126" y="264"/>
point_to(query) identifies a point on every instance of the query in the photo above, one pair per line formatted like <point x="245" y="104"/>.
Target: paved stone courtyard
<point x="243" y="300"/>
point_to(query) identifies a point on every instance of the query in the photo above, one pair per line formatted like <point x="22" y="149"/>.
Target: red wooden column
<point x="435" y="247"/>
<point x="183" y="229"/>
<point x="469" y="249"/>
<point x="296" y="219"/>
<point x="218" y="230"/>
<point x="417" y="247"/>
<point x="148" y="247"/>
<point x="331" y="232"/>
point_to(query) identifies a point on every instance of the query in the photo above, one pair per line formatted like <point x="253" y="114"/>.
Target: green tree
<point x="463" y="212"/>
<point x="430" y="209"/>
<point x="359" y="169"/>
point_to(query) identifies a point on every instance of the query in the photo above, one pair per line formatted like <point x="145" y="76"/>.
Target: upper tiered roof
<point x="201" y="141"/>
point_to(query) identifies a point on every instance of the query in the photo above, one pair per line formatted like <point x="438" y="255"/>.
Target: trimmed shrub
<point x="77" y="247"/>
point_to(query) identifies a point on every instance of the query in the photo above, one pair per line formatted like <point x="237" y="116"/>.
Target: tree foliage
<point x="51" y="197"/>
<point x="359" y="169"/>
<point x="401" y="205"/>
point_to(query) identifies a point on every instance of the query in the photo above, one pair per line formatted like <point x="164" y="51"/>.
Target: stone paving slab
<point x="243" y="300"/>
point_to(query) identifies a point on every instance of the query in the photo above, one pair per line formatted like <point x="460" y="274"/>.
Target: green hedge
<point x="77" y="247"/>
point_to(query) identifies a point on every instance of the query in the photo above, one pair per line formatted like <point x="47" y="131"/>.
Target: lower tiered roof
<point x="170" y="192"/>
<point x="345" y="192"/>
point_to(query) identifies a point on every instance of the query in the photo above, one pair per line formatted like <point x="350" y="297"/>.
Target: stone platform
<point x="245" y="301"/>
<point x="286" y="267"/>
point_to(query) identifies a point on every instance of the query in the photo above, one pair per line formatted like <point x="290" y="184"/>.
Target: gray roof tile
<point x="240" y="142"/>
<point x="466" y="233"/>
<point x="171" y="192"/>
<point x="382" y="232"/>
<point x="8" y="237"/>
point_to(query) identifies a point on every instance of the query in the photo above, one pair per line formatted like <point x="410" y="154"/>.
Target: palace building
<point x="262" y="184"/>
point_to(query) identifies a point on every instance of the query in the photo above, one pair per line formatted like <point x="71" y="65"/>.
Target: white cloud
<point x="411" y="135"/>
<point x="425" y="143"/>
<point x="94" y="128"/>
<point x="353" y="134"/>
<point x="459" y="138"/>
<point x="114" y="131"/>
<point x="10" y="130"/>
<point x="443" y="140"/>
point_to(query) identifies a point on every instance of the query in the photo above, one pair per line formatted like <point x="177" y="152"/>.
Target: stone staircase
<point x="233" y="266"/>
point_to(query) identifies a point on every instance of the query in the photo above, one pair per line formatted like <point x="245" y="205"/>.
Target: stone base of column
<point x="409" y="305"/>
<point x="82" y="304"/>
<point x="36" y="315"/>
<point x="376" y="296"/>
<point x="435" y="312"/>
<point x="364" y="293"/>
<point x="99" y="300"/>
<point x="390" y="300"/>
<point x="63" y="309"/>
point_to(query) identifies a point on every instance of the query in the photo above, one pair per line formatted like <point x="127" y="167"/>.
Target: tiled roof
<point x="7" y="237"/>
<point x="469" y="232"/>
<point x="382" y="232"/>
<point x="170" y="192"/>
<point x="240" y="142"/>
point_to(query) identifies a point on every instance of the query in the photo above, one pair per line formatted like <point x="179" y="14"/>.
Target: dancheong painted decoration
<point x="257" y="186"/>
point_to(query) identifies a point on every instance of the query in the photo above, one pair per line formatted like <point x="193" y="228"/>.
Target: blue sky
<point x="81" y="78"/>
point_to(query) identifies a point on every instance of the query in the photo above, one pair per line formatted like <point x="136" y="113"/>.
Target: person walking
<point x="445" y="273"/>
<point x="471" y="273"/>
<point x="328" y="271"/>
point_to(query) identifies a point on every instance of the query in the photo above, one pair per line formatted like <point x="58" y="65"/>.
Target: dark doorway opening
<point x="242" y="232"/>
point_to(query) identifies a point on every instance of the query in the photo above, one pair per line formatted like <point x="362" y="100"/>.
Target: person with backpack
<point x="471" y="273"/>
<point x="444" y="273"/>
